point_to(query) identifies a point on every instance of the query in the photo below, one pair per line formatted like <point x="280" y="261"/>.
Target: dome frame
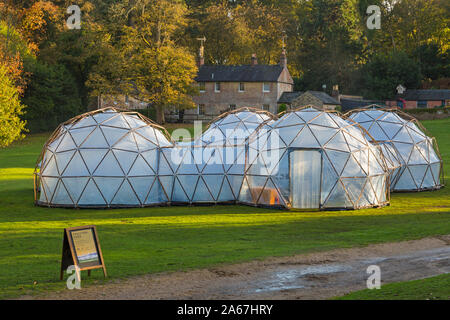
<point x="439" y="181"/>
<point x="131" y="122"/>
<point x="284" y="201"/>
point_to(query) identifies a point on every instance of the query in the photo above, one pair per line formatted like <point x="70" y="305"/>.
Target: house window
<point x="217" y="87"/>
<point x="266" y="107"/>
<point x="232" y="107"/>
<point x="266" y="87"/>
<point x="201" y="109"/>
<point x="421" y="104"/>
<point x="241" y="87"/>
<point x="201" y="86"/>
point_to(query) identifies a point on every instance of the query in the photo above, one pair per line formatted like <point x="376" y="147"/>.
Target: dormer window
<point x="266" y="87"/>
<point x="217" y="86"/>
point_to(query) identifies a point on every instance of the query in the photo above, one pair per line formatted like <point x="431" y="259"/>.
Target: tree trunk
<point x="160" y="115"/>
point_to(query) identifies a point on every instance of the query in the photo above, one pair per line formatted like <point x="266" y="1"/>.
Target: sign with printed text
<point x="81" y="248"/>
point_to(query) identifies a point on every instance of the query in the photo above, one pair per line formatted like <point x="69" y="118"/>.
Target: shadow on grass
<point x="33" y="256"/>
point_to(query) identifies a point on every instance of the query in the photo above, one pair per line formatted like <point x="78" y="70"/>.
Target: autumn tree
<point x="236" y="29"/>
<point x="11" y="126"/>
<point x="148" y="61"/>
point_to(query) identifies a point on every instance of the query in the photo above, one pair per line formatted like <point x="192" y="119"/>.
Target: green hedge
<point x="426" y="110"/>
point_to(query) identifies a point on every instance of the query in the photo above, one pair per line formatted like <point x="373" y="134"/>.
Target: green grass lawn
<point x="147" y="240"/>
<point x="434" y="288"/>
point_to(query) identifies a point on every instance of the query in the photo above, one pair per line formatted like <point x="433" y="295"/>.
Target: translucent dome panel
<point x="350" y="171"/>
<point x="404" y="142"/>
<point x="105" y="158"/>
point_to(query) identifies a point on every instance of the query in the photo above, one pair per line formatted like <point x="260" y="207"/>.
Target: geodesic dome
<point x="211" y="168"/>
<point x="305" y="159"/>
<point x="313" y="159"/>
<point x="421" y="164"/>
<point x="234" y="127"/>
<point x="393" y="163"/>
<point x="104" y="158"/>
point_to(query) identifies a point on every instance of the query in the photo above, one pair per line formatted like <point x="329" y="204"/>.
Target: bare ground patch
<point x="306" y="276"/>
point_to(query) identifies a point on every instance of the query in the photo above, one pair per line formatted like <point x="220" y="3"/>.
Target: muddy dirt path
<point x="308" y="276"/>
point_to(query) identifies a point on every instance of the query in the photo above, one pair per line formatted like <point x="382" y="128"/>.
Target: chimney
<point x="254" y="60"/>
<point x="283" y="59"/>
<point x="335" y="92"/>
<point x="201" y="58"/>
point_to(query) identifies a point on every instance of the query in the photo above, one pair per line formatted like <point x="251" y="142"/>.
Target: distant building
<point x="227" y="87"/>
<point x="410" y="99"/>
<point x="348" y="104"/>
<point x="318" y="99"/>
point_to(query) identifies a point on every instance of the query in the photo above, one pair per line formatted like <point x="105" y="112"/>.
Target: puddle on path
<point x="296" y="278"/>
<point x="394" y="268"/>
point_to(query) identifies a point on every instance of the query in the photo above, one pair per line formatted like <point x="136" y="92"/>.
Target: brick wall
<point x="413" y="104"/>
<point x="252" y="96"/>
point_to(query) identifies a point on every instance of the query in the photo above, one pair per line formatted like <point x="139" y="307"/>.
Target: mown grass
<point x="148" y="240"/>
<point x="434" y="288"/>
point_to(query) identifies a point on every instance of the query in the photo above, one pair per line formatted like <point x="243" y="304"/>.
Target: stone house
<point x="227" y="87"/>
<point x="319" y="99"/>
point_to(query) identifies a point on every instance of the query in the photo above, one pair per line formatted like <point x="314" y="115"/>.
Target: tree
<point x="384" y="72"/>
<point x="236" y="29"/>
<point x="225" y="30"/>
<point x="149" y="62"/>
<point x="11" y="126"/>
<point x="51" y="97"/>
<point x="329" y="47"/>
<point x="433" y="63"/>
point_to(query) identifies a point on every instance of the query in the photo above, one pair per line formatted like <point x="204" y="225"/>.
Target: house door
<point x="305" y="176"/>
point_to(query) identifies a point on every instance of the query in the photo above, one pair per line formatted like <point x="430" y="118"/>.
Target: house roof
<point x="324" y="97"/>
<point x="287" y="97"/>
<point x="430" y="94"/>
<point x="239" y="73"/>
<point x="349" y="104"/>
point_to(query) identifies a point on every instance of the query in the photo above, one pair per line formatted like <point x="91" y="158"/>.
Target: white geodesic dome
<point x="313" y="159"/>
<point x="421" y="164"/>
<point x="233" y="127"/>
<point x="393" y="163"/>
<point x="211" y="168"/>
<point x="104" y="158"/>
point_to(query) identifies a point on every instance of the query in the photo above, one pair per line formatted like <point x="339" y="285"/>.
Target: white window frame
<point x="264" y="84"/>
<point x="239" y="87"/>
<point x="200" y="86"/>
<point x="215" y="86"/>
<point x="198" y="109"/>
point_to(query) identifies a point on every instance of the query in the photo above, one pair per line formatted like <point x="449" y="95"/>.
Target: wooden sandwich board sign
<point x="81" y="248"/>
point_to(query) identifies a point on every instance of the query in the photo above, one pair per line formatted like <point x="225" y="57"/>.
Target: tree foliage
<point x="11" y="126"/>
<point x="386" y="70"/>
<point x="147" y="48"/>
<point x="161" y="71"/>
<point x="51" y="97"/>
